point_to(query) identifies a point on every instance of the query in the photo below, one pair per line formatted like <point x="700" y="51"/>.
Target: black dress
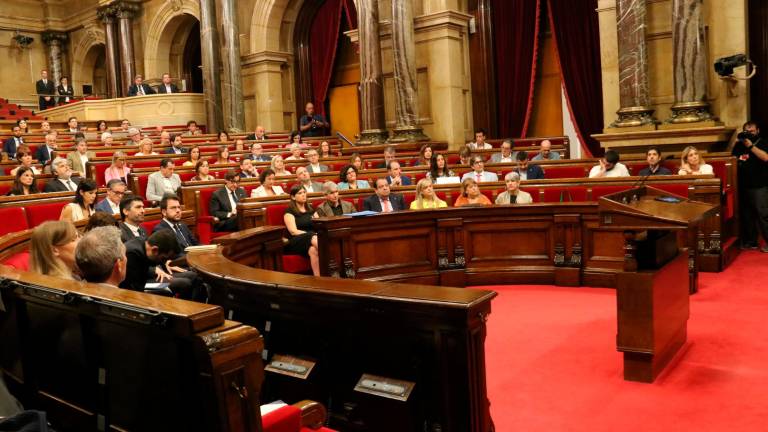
<point x="299" y="245"/>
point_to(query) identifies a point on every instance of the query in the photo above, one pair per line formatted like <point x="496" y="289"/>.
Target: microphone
<point x="642" y="181"/>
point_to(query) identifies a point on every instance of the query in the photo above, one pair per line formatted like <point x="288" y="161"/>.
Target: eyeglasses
<point x="117" y="193"/>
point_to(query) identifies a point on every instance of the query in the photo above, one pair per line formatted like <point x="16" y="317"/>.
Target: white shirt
<point x="474" y="146"/>
<point x="619" y="170"/>
<point x="141" y="90"/>
<point x="167" y="88"/>
<point x="115" y="207"/>
<point x="168" y="185"/>
<point x="84" y="158"/>
<point x="69" y="184"/>
<point x="134" y="229"/>
<point x="308" y="187"/>
<point x="385" y="209"/>
<point x="66" y="88"/>
<point x="484" y="176"/>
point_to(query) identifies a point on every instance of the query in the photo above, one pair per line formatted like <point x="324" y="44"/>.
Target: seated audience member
<point x="478" y="172"/>
<point x="117" y="170"/>
<point x="192" y="129"/>
<point x="470" y="194"/>
<point x="132" y="215"/>
<point x="506" y="155"/>
<point x="239" y="145"/>
<point x="125" y="125"/>
<point x="383" y="201"/>
<point x="525" y="170"/>
<point x="64" y="182"/>
<point x="465" y="156"/>
<point x="100" y="219"/>
<point x="222" y="156"/>
<point x="304" y="180"/>
<point x="295" y="153"/>
<point x="425" y="196"/>
<point x="101" y="126"/>
<point x="52" y="249"/>
<point x="24" y="183"/>
<point x="24" y="157"/>
<point x="268" y="187"/>
<point x="223" y="205"/>
<point x="357" y="161"/>
<point x="389" y="156"/>
<point x="438" y="168"/>
<point x="22" y="124"/>
<point x="302" y="239"/>
<point x="165" y="138"/>
<point x="107" y="139"/>
<point x="691" y="163"/>
<point x="296" y="137"/>
<point x="278" y="166"/>
<point x="177" y="145"/>
<point x="479" y="143"/>
<point x="311" y="123"/>
<point x="257" y="154"/>
<point x="45" y="127"/>
<point x="162" y="182"/>
<point x="11" y="144"/>
<point x="396" y="177"/>
<point x="170" y="208"/>
<point x="653" y="156"/>
<point x="78" y="158"/>
<point x="609" y="166"/>
<point x="167" y="86"/>
<point x="333" y="205"/>
<point x="100" y="256"/>
<point x="425" y="156"/>
<point x="348" y="179"/>
<point x="47" y="152"/>
<point x="224" y="136"/>
<point x="513" y="194"/>
<point x="193" y="158"/>
<point x="145" y="148"/>
<point x="314" y="166"/>
<point x="325" y="150"/>
<point x="72" y="126"/>
<point x="202" y="171"/>
<point x="258" y="135"/>
<point x="134" y="137"/>
<point x="82" y="206"/>
<point x="545" y="152"/>
<point x="247" y="170"/>
<point x="115" y="192"/>
<point x="138" y="88"/>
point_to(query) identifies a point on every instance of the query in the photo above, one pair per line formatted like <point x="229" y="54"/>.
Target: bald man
<point x="312" y="124"/>
<point x="545" y="152"/>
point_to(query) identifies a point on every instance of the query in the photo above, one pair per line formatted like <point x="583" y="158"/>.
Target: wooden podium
<point x="652" y="291"/>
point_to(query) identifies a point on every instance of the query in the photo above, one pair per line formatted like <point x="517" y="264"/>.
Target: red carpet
<point x="553" y="366"/>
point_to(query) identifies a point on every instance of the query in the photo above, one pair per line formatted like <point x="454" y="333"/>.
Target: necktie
<point x="182" y="240"/>
<point x="387" y="207"/>
<point x="69" y="185"/>
<point x="479" y="178"/>
<point x="141" y="90"/>
<point x="234" y="196"/>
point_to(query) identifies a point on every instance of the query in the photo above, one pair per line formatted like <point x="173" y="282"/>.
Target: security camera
<point x="725" y="66"/>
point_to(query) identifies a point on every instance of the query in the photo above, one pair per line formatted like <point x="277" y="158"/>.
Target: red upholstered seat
<point x="20" y="261"/>
<point x="291" y="263"/>
<point x="150" y="225"/>
<point x="287" y="419"/>
<point x="564" y="194"/>
<point x="205" y="221"/>
<point x="186" y="176"/>
<point x="554" y="172"/>
<point x="39" y="213"/>
<point x="142" y="181"/>
<point x="13" y="219"/>
<point x="408" y="198"/>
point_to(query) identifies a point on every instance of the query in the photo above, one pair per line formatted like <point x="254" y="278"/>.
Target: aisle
<point x="553" y="365"/>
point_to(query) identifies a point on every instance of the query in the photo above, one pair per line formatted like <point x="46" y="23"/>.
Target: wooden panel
<point x="344" y="104"/>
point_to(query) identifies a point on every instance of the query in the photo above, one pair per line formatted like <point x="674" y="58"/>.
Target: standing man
<point x="224" y="201"/>
<point x="11" y="144"/>
<point x="752" y="153"/>
<point x="138" y="88"/>
<point x="312" y="124"/>
<point x="44" y="87"/>
<point x="167" y="86"/>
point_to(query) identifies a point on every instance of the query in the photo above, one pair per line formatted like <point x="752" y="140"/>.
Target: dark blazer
<point x="261" y="158"/>
<point x="189" y="238"/>
<point x="161" y="89"/>
<point x="54" y="185"/>
<point x="169" y="150"/>
<point x="9" y="146"/>
<point x="252" y="137"/>
<point x="372" y="203"/>
<point x="534" y="172"/>
<point x="133" y="90"/>
<point x="140" y="268"/>
<point x="42" y="154"/>
<point x="404" y="178"/>
<point x="126" y="233"/>
<point x="69" y="92"/>
<point x="103" y="206"/>
<point x="219" y="206"/>
<point x="45" y="89"/>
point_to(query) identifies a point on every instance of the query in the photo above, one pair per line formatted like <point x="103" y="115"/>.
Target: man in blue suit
<point x="395" y="177"/>
<point x="11" y="144"/>
<point x="525" y="170"/>
<point x="115" y="192"/>
<point x="43" y="154"/>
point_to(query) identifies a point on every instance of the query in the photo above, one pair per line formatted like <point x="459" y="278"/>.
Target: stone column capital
<point x="126" y="9"/>
<point x="51" y="37"/>
<point x="106" y="14"/>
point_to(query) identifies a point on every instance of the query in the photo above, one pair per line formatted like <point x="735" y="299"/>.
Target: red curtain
<point x="516" y="34"/>
<point x="577" y="40"/>
<point x="323" y="40"/>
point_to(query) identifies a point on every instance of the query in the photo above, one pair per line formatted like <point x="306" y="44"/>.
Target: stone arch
<point x="166" y="36"/>
<point x="85" y="53"/>
<point x="270" y="18"/>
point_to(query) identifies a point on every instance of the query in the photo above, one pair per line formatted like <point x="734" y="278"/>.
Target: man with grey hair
<point x="135" y="136"/>
<point x="513" y="194"/>
<point x="315" y="167"/>
<point x="46" y="152"/>
<point x="100" y="256"/>
<point x="111" y="204"/>
<point x="333" y="205"/>
<point x="64" y="182"/>
<point x="138" y="88"/>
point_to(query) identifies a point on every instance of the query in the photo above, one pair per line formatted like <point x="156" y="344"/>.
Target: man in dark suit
<point x="44" y="86"/>
<point x="170" y="207"/>
<point x="43" y="153"/>
<point x="382" y="201"/>
<point x="138" y="88"/>
<point x="223" y="205"/>
<point x="177" y="146"/>
<point x="11" y="144"/>
<point x="525" y="170"/>
<point x="258" y="135"/>
<point x="132" y="214"/>
<point x="395" y="177"/>
<point x="64" y="182"/>
<point x="167" y="86"/>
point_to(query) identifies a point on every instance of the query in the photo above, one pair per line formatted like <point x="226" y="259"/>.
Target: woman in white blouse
<point x="278" y="166"/>
<point x="145" y="148"/>
<point x="691" y="163"/>
<point x="268" y="186"/>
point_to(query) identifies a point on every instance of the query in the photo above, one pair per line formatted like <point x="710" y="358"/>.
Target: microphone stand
<point x="641" y="182"/>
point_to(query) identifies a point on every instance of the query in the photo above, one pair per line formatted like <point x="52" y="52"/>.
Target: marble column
<point x="373" y="126"/>
<point x="55" y="42"/>
<point x="107" y="17"/>
<point x="634" y="91"/>
<point x="406" y="96"/>
<point x="209" y="47"/>
<point x="689" y="58"/>
<point x="125" y="11"/>
<point x="234" y="112"/>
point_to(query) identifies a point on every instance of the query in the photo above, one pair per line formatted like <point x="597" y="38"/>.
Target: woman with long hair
<point x="82" y="206"/>
<point x="425" y="196"/>
<point x="438" y="167"/>
<point x="356" y="161"/>
<point x="118" y="169"/>
<point x="52" y="249"/>
<point x="223" y="136"/>
<point x="202" y="171"/>
<point x="22" y="124"/>
<point x="691" y="163"/>
<point x="348" y="179"/>
<point x="268" y="186"/>
<point x="101" y="126"/>
<point x="278" y="166"/>
<point x="222" y="156"/>
<point x="425" y="156"/>
<point x="194" y="156"/>
<point x="24" y="183"/>
<point x="298" y="221"/>
<point x="470" y="194"/>
<point x="325" y="150"/>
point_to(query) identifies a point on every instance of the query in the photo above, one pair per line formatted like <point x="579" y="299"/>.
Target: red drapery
<point x="577" y="41"/>
<point x="323" y="40"/>
<point x="516" y="34"/>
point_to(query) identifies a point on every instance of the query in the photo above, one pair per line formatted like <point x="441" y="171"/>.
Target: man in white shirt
<point x="609" y="167"/>
<point x="304" y="179"/>
<point x="132" y="213"/>
<point x="478" y="172"/>
<point x="111" y="204"/>
<point x="545" y="152"/>
<point x="315" y="166"/>
<point x="167" y="86"/>
<point x="72" y="123"/>
<point x="163" y="182"/>
<point x="506" y="154"/>
<point x="479" y="143"/>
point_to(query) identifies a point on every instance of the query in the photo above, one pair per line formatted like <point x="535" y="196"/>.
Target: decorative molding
<point x="266" y="57"/>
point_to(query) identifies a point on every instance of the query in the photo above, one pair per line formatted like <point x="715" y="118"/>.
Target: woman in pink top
<point x="117" y="170"/>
